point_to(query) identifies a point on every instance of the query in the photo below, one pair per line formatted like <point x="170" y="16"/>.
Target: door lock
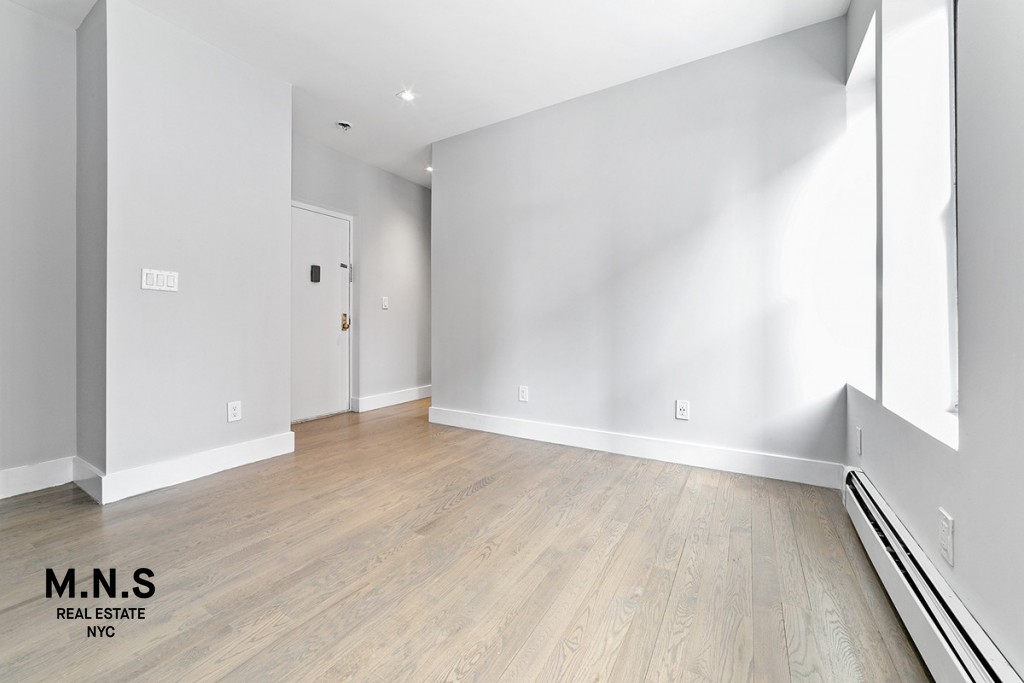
<point x="345" y="322"/>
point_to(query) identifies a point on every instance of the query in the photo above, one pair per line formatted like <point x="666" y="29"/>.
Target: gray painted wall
<point x="199" y="182"/>
<point x="392" y="256"/>
<point x="706" y="233"/>
<point x="980" y="483"/>
<point x="37" y="238"/>
<point x="91" y="276"/>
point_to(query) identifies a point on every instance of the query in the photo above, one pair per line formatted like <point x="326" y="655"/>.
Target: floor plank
<point x="771" y="655"/>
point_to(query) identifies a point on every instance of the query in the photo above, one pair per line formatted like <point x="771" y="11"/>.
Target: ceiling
<point x="470" y="62"/>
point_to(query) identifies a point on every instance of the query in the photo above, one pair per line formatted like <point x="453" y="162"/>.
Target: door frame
<point x="353" y="338"/>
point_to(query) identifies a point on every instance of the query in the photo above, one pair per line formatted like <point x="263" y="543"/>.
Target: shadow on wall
<point x="816" y="428"/>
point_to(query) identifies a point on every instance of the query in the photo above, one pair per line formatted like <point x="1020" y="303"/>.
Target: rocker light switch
<point x="160" y="280"/>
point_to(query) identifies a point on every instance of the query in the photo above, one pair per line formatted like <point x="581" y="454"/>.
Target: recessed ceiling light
<point x="429" y="169"/>
<point x="406" y="95"/>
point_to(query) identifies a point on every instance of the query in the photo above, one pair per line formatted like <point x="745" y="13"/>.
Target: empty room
<point x="384" y="340"/>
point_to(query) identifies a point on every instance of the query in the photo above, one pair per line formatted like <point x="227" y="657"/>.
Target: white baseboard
<point x="15" y="481"/>
<point x="113" y="486"/>
<point x="366" y="403"/>
<point x="106" y="488"/>
<point x="89" y="479"/>
<point x="773" y="466"/>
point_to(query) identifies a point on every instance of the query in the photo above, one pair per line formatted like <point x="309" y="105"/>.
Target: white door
<point x="320" y="347"/>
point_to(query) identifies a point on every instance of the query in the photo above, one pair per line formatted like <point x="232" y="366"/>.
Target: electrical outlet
<point x="946" y="536"/>
<point x="860" y="441"/>
<point x="682" y="410"/>
<point x="234" y="411"/>
<point x="524" y="393"/>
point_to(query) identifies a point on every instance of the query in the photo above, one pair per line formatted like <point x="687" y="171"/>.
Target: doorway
<point x="321" y="312"/>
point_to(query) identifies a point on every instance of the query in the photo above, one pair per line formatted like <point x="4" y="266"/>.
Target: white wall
<point x="37" y="238"/>
<point x="199" y="182"/>
<point x="392" y="257"/>
<point x="979" y="484"/>
<point x="706" y="233"/>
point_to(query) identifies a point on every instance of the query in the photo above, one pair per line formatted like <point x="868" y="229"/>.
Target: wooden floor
<point x="389" y="549"/>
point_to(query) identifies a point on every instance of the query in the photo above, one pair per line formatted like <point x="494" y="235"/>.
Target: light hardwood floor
<point x="389" y="549"/>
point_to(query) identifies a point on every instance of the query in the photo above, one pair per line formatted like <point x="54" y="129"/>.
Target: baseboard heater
<point x="953" y="645"/>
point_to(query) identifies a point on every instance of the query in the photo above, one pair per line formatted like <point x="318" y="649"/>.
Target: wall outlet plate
<point x="234" y="411"/>
<point x="524" y="393"/>
<point x="682" y="410"/>
<point x="946" y="536"/>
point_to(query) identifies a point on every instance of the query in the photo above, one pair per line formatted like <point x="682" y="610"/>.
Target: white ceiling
<point x="471" y="62"/>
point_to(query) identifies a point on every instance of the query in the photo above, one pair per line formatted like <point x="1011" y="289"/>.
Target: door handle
<point x="345" y="322"/>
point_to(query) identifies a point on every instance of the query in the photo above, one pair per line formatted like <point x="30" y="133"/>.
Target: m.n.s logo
<point x="104" y="583"/>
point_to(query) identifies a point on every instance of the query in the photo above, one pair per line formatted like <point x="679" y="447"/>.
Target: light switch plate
<point x="160" y="280"/>
<point x="946" y="536"/>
